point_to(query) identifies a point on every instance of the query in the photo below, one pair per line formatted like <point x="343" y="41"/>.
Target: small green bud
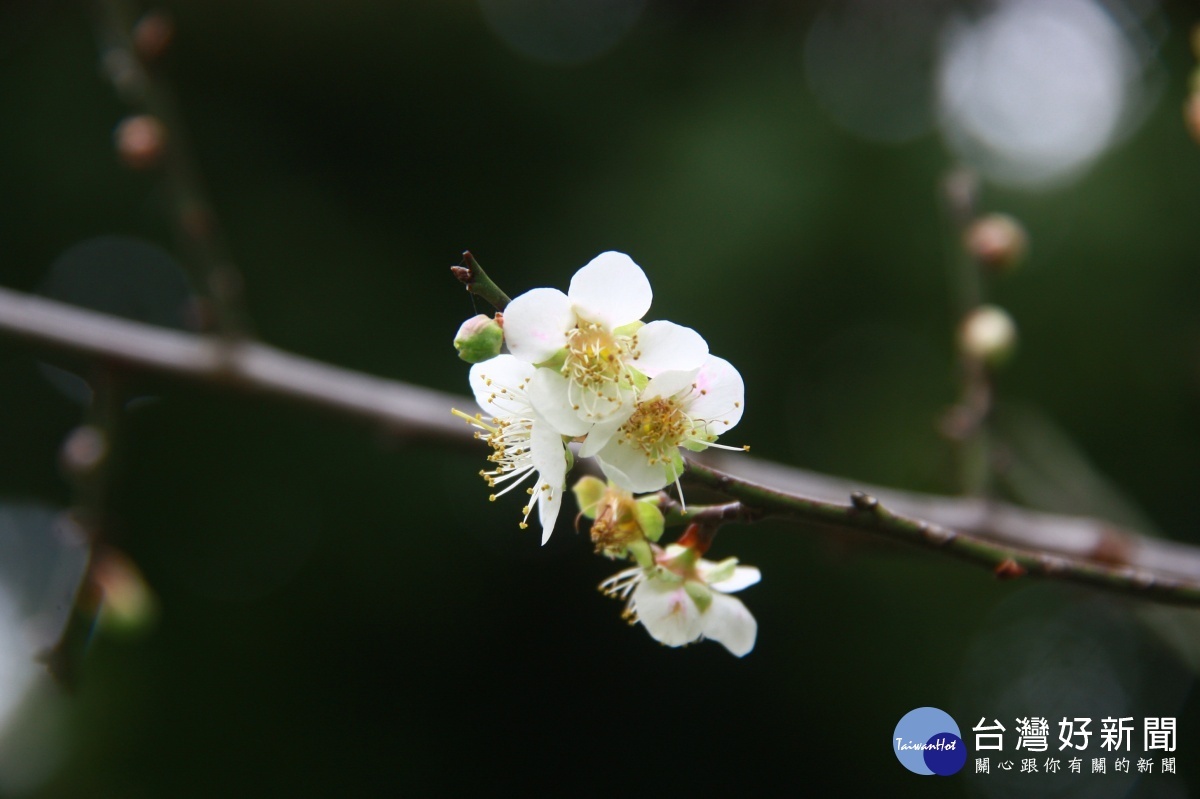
<point x="988" y="334"/>
<point x="479" y="339"/>
<point x="997" y="242"/>
<point x="1191" y="110"/>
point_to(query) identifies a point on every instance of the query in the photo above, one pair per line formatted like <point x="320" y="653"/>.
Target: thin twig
<point x="200" y="236"/>
<point x="1100" y="553"/>
<point x="1077" y="537"/>
<point x="478" y="283"/>
<point x="966" y="424"/>
<point x="865" y="512"/>
<point x="674" y="514"/>
<point x="86" y="459"/>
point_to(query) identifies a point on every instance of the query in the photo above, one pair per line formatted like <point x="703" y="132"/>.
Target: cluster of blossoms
<point x="583" y="368"/>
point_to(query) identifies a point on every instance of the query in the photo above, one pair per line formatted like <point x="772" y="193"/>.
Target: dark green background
<point x="345" y="614"/>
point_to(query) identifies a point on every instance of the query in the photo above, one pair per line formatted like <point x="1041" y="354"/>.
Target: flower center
<point x="596" y="368"/>
<point x="656" y="428"/>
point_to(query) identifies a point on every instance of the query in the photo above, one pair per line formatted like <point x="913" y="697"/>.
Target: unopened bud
<point x="479" y="339"/>
<point x="997" y="241"/>
<point x="1191" y="115"/>
<point x="152" y="36"/>
<point x="84" y="450"/>
<point x="141" y="141"/>
<point x="988" y="334"/>
<point x="129" y="605"/>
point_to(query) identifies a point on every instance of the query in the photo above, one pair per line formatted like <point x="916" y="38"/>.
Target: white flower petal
<point x="602" y="433"/>
<point x="550" y="460"/>
<point x="665" y="346"/>
<point x="499" y="385"/>
<point x="630" y="468"/>
<point x="611" y="289"/>
<point x="668" y="384"/>
<point x="549" y="505"/>
<point x="743" y="577"/>
<point x="548" y="453"/>
<point x="728" y="622"/>
<point x="667" y="612"/>
<point x="720" y="396"/>
<point x="536" y="324"/>
<point x="548" y="394"/>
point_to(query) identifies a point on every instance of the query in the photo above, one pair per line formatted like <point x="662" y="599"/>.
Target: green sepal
<point x="666" y="575"/>
<point x="694" y="446"/>
<point x="555" y="361"/>
<point x="700" y="594"/>
<point x="650" y="519"/>
<point x="629" y="329"/>
<point x="677" y="464"/>
<point x="640" y="551"/>
<point x="640" y="381"/>
<point x="681" y="557"/>
<point x="723" y="571"/>
<point x="570" y="458"/>
<point x="676" y="551"/>
<point x="588" y="493"/>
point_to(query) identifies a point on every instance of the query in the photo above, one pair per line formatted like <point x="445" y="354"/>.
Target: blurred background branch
<point x="155" y="138"/>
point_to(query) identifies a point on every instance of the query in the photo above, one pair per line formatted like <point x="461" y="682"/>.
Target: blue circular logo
<point x="927" y="741"/>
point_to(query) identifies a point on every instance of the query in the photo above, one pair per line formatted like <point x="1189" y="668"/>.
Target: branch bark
<point x="1061" y="547"/>
<point x="866" y="513"/>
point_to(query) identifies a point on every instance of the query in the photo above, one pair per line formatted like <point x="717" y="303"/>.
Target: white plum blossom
<point x="582" y="368"/>
<point x="685" y="598"/>
<point x="676" y="409"/>
<point x="524" y="444"/>
<point x="594" y="347"/>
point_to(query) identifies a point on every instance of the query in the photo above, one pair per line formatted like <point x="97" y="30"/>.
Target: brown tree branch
<point x="866" y="513"/>
<point x="1114" y="558"/>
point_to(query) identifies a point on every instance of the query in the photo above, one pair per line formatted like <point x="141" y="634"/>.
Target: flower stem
<point x="478" y="283"/>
